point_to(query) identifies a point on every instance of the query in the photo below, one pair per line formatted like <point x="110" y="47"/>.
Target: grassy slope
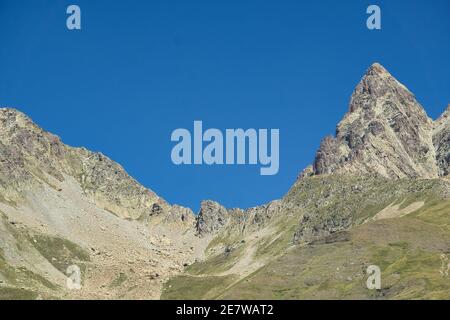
<point x="20" y="282"/>
<point x="408" y="250"/>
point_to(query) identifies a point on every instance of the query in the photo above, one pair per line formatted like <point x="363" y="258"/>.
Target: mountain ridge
<point x="357" y="149"/>
<point x="99" y="175"/>
<point x="61" y="205"/>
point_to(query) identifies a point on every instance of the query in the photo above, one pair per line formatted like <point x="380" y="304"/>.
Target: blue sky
<point x="140" y="69"/>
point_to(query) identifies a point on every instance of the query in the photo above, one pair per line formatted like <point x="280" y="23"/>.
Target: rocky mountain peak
<point x="378" y="83"/>
<point x="385" y="132"/>
<point x="376" y="70"/>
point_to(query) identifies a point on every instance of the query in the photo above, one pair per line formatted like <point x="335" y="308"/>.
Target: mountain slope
<point x="63" y="206"/>
<point x="377" y="193"/>
<point x="30" y="156"/>
<point x="327" y="218"/>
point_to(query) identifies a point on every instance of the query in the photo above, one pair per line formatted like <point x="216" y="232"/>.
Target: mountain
<point x="62" y="206"/>
<point x="386" y="131"/>
<point x="377" y="193"/>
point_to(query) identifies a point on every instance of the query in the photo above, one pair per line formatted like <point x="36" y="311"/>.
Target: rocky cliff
<point x="441" y="140"/>
<point x="386" y="132"/>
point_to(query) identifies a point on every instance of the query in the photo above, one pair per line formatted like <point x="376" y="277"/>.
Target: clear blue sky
<point x="139" y="69"/>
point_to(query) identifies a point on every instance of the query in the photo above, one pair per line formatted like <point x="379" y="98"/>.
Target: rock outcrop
<point x="386" y="132"/>
<point x="441" y="140"/>
<point x="211" y="218"/>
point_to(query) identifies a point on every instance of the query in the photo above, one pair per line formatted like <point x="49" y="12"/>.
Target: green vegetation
<point x="61" y="253"/>
<point x="21" y="275"/>
<point x="117" y="282"/>
<point x="17" y="294"/>
<point x="410" y="267"/>
<point x="20" y="282"/>
<point x="336" y="202"/>
<point x="274" y="244"/>
<point x="218" y="263"/>
<point x="192" y="288"/>
<point x="333" y="265"/>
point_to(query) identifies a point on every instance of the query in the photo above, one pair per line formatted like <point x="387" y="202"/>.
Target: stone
<point x="385" y="132"/>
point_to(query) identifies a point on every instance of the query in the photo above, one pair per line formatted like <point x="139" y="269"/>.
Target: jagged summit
<point x="376" y="68"/>
<point x="376" y="83"/>
<point x="386" y="132"/>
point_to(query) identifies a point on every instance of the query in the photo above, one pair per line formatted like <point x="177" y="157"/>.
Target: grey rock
<point x="441" y="140"/>
<point x="211" y="218"/>
<point x="386" y="132"/>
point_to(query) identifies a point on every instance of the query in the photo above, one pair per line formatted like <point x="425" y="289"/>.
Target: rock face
<point x="211" y="218"/>
<point x="30" y="156"/>
<point x="441" y="140"/>
<point x="385" y="132"/>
